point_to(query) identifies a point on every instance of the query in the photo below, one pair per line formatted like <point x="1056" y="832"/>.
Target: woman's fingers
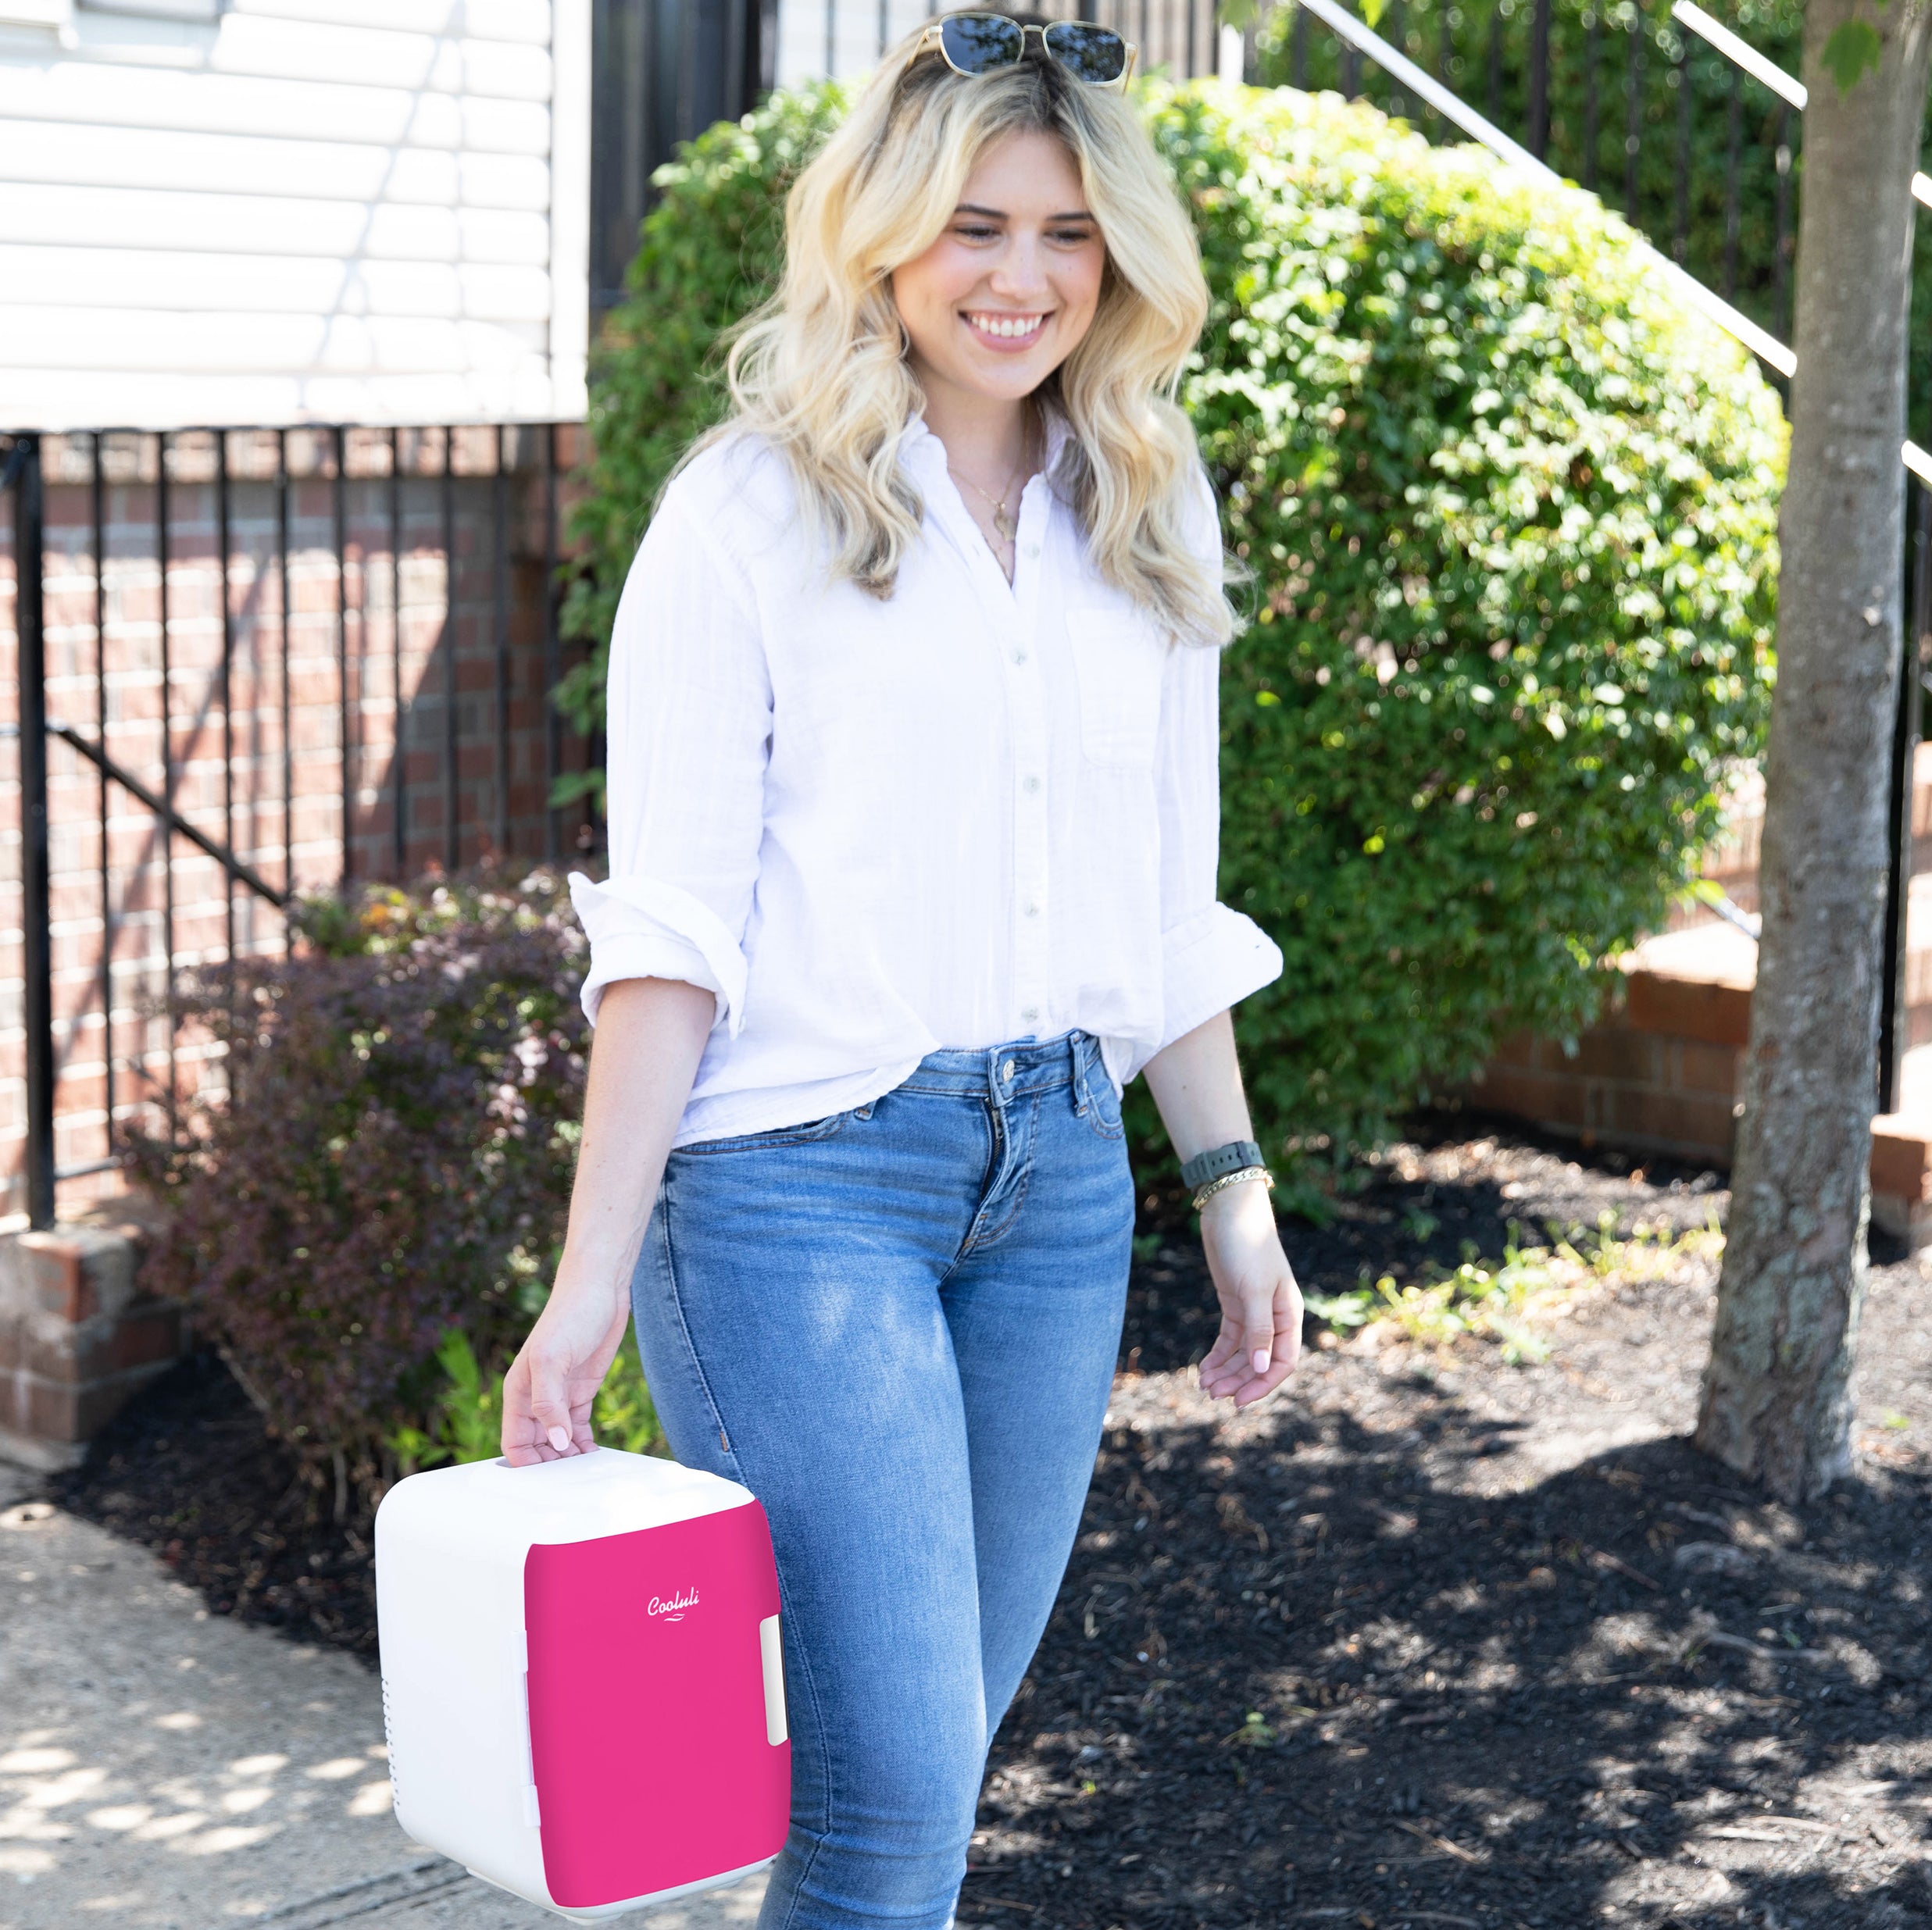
<point x="550" y="1402"/>
<point x="519" y="1435"/>
<point x="1260" y="1344"/>
<point x="552" y="1383"/>
<point x="1258" y="1334"/>
<point x="540" y="1420"/>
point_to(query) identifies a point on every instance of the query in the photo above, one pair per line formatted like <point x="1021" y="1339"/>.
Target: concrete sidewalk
<point x="164" y="1769"/>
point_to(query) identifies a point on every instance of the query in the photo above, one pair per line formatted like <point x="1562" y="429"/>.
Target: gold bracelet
<point x="1233" y="1179"/>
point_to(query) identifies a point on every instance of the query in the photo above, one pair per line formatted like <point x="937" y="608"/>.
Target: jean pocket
<point x="1103" y="1104"/>
<point x="802" y="1135"/>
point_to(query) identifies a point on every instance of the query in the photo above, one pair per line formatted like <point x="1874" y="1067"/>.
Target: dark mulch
<point x="1420" y="1643"/>
<point x="187" y="1469"/>
<point x="1469" y="1645"/>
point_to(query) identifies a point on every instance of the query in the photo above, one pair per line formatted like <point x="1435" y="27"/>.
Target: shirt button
<point x="1030" y="1012"/>
<point x="1032" y="783"/>
<point x="1033" y="550"/>
<point x="1033" y="910"/>
<point x="1020" y="656"/>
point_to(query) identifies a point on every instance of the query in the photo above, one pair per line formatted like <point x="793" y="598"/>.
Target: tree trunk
<point x="1777" y="1397"/>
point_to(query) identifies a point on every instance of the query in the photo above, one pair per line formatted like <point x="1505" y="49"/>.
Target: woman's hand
<point x="1260" y="1339"/>
<point x="547" y="1393"/>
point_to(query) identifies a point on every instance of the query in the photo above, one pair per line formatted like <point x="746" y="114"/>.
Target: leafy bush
<point x="392" y="1164"/>
<point x="1511" y="517"/>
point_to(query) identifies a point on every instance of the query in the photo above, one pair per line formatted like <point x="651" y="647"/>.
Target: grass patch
<point x="1498" y="1301"/>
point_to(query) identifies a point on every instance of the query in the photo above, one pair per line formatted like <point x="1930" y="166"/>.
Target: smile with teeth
<point x="1005" y="327"/>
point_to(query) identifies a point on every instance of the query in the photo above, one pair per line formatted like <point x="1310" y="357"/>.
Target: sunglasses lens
<point x="1089" y="53"/>
<point x="977" y="43"/>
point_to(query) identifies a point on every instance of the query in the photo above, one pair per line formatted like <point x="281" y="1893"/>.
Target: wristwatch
<point x="1232" y="1158"/>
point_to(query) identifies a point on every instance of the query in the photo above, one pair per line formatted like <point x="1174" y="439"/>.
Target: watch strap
<point x="1223" y="1159"/>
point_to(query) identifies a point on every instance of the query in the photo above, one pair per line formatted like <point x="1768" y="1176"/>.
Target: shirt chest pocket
<point x="1118" y="659"/>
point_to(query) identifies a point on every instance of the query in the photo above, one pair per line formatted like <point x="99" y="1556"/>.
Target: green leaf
<point x="570" y="786"/>
<point x="1853" y="51"/>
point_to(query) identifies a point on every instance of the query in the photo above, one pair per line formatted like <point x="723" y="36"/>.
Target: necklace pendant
<point x="1004" y="522"/>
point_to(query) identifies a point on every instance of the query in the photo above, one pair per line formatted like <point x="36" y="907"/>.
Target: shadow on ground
<point x="1348" y="1661"/>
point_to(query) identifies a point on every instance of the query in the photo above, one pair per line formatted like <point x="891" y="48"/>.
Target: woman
<point x="913" y="821"/>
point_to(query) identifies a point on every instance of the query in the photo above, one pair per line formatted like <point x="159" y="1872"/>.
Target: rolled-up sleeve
<point x="1212" y="958"/>
<point x="689" y="731"/>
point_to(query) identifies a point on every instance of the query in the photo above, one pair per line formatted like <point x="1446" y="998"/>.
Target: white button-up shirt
<point x="976" y="812"/>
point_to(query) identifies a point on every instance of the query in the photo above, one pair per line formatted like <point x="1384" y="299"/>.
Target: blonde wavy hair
<point x="820" y="371"/>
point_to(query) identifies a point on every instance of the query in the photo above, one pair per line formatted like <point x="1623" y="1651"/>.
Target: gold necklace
<point x="1003" y="521"/>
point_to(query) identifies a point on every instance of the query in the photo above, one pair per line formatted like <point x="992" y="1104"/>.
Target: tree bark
<point x="1776" y="1403"/>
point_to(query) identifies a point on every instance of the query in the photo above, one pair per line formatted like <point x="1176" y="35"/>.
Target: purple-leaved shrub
<point x="391" y="1161"/>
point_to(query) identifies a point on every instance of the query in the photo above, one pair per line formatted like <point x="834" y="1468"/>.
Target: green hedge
<point x="710" y="250"/>
<point x="1512" y="521"/>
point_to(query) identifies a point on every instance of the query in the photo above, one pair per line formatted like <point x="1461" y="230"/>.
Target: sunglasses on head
<point x="983" y="43"/>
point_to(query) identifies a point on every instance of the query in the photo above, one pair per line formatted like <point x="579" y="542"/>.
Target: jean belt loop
<point x="995" y="1084"/>
<point x="1076" y="1046"/>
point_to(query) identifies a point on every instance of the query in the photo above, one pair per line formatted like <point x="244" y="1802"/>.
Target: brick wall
<point x="356" y="676"/>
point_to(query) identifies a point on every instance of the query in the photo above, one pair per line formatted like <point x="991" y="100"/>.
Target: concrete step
<point x="1695" y="981"/>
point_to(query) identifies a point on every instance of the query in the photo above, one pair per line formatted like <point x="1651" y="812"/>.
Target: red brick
<point x="1664" y="1119"/>
<point x="1901" y="1155"/>
<point x="1697" y="1067"/>
<point x="59" y="1282"/>
<point x="1720" y="1015"/>
<point x="49" y="1412"/>
<point x="1619" y="1052"/>
<point x="1539" y="1096"/>
<point x="148" y="1337"/>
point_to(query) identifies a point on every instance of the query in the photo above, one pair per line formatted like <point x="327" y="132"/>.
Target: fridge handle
<point x="774" y="1657"/>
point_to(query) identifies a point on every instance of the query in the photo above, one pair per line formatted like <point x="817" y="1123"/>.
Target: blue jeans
<point x="898" y="1327"/>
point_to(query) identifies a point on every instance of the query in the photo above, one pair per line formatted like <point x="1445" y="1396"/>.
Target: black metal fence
<point x="1640" y="100"/>
<point x="1288" y="50"/>
<point x="252" y="663"/>
<point x="1623" y="96"/>
<point x="662" y="71"/>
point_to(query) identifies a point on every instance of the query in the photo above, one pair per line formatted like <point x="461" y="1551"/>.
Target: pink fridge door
<point x="647" y="1707"/>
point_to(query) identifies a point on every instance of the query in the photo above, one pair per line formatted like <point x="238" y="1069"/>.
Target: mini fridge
<point x="581" y="1676"/>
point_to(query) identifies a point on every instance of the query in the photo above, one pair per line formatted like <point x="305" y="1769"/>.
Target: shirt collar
<point x="925" y="454"/>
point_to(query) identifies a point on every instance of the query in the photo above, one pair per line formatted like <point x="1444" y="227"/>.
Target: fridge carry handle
<point x="774" y="1657"/>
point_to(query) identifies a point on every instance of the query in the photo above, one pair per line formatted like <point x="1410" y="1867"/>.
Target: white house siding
<point x="369" y="211"/>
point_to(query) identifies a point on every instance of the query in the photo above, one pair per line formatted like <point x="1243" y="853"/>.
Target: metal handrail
<point x="237" y="869"/>
<point x="1767" y="74"/>
<point x="1685" y="286"/>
